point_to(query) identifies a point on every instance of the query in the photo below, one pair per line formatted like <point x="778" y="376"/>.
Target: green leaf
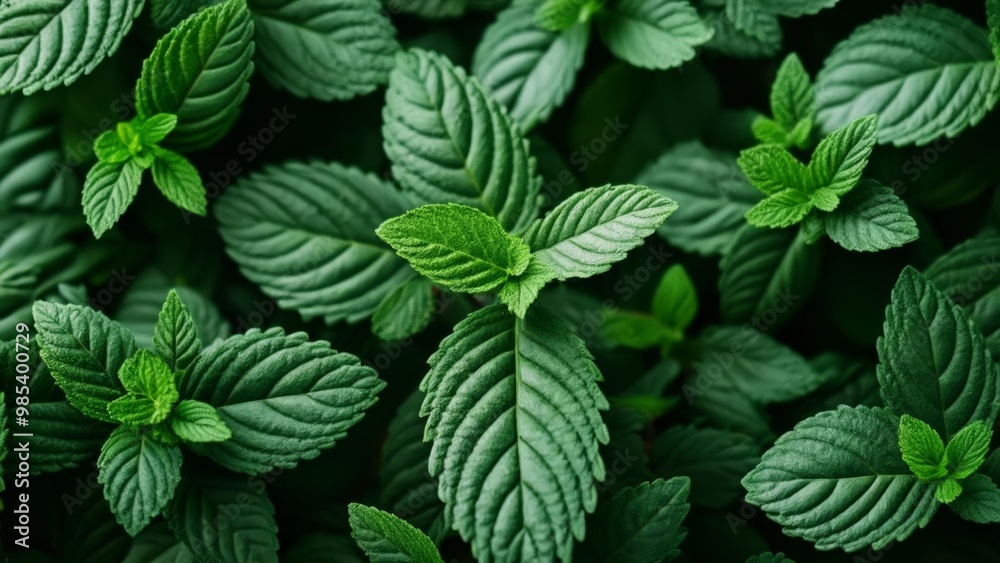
<point x="640" y="524"/>
<point x="897" y="65"/>
<point x="782" y="209"/>
<point x="206" y="497"/>
<point x="311" y="245"/>
<point x="821" y="481"/>
<point x="655" y="34"/>
<point x="557" y="15"/>
<point x="772" y="169"/>
<point x="591" y="230"/>
<point x="386" y="538"/>
<point x="155" y="128"/>
<point x="434" y="9"/>
<point x="456" y="246"/>
<point x="520" y="291"/>
<point x="763" y="38"/>
<point x="770" y="558"/>
<point x="636" y="330"/>
<point x="110" y="149"/>
<point x="450" y="142"/>
<point x="792" y="98"/>
<point x="794" y="8"/>
<point x="179" y="181"/>
<point x="176" y="335"/>
<point x="948" y="490"/>
<point x="283" y="397"/>
<point x="528" y="69"/>
<point x="194" y="421"/>
<point x="324" y="49"/>
<point x="979" y="501"/>
<point x="148" y="375"/>
<point x="712" y="196"/>
<point x="514" y="413"/>
<point x="871" y="218"/>
<point x="84" y="351"/>
<point x="933" y="361"/>
<point x="993" y="22"/>
<point x="200" y="72"/>
<point x="168" y="13"/>
<point x="714" y="460"/>
<point x="135" y="410"/>
<point x="141" y="304"/>
<point x="64" y="438"/>
<point x="405" y="311"/>
<point x="107" y="193"/>
<point x="967" y="449"/>
<point x="922" y="448"/>
<point x="139" y="476"/>
<point x="675" y="302"/>
<point x="44" y="45"/>
<point x="841" y="157"/>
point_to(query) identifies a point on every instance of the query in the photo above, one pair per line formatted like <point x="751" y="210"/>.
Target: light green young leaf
<point x="528" y="69"/>
<point x="520" y="291"/>
<point x="195" y="421"/>
<point x="967" y="450"/>
<point x="179" y="181"/>
<point x="772" y="170"/>
<point x="325" y="49"/>
<point x="456" y="246"/>
<point x="993" y="22"/>
<point x="405" y="311"/>
<point x="636" y="330"/>
<point x="110" y="149"/>
<point x="819" y="480"/>
<point x="948" y="490"/>
<point x="794" y="8"/>
<point x="792" y="98"/>
<point x="675" y="302"/>
<point x="305" y="233"/>
<point x="176" y="336"/>
<point x="780" y="210"/>
<point x="135" y="410"/>
<point x="979" y="501"/>
<point x="450" y="142"/>
<point x="640" y="524"/>
<point x="107" y="193"/>
<point x="266" y="387"/>
<point x="825" y="199"/>
<point x="655" y="34"/>
<point x="199" y="72"/>
<point x="895" y="67"/>
<point x="714" y="460"/>
<point x="44" y="45"/>
<point x="385" y="538"/>
<point x="527" y="388"/>
<point x="933" y="362"/>
<point x="84" y="351"/>
<point x="591" y="230"/>
<point x="841" y="157"/>
<point x="146" y="375"/>
<point x="557" y="15"/>
<point x="155" y="128"/>
<point x="922" y="448"/>
<point x="871" y="218"/>
<point x="139" y="476"/>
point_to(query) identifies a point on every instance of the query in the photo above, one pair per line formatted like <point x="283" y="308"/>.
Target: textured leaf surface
<point x="794" y="8"/>
<point x="63" y="437"/>
<point x="656" y="34"/>
<point x="199" y="71"/>
<point x="926" y="72"/>
<point x="841" y="156"/>
<point x="44" y="45"/>
<point x="979" y="501"/>
<point x="284" y="398"/>
<point x="838" y="480"/>
<point x="967" y="450"/>
<point x="194" y="421"/>
<point x="107" y="193"/>
<point x="405" y="311"/>
<point x="513" y="410"/>
<point x="591" y="230"/>
<point x="324" y="49"/>
<point x="306" y="234"/>
<point x="176" y="335"/>
<point x="450" y="142"/>
<point x="933" y="362"/>
<point x="139" y="476"/>
<point x="922" y="449"/>
<point x="871" y="218"/>
<point x="714" y="460"/>
<point x="520" y="291"/>
<point x="84" y="351"/>
<point x="386" y="538"/>
<point x="179" y="181"/>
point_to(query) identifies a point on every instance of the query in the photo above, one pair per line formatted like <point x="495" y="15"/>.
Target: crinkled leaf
<point x="922" y="448"/>
<point x="176" y="335"/>
<point x="979" y="501"/>
<point x="179" y="181"/>
<point x="405" y="311"/>
<point x="108" y="191"/>
<point x="63" y="437"/>
<point x="194" y="421"/>
<point x="794" y="8"/>
<point x="841" y="157"/>
<point x="656" y="34"/>
<point x="967" y="450"/>
<point x="871" y="218"/>
<point x="520" y="291"/>
<point x="386" y="538"/>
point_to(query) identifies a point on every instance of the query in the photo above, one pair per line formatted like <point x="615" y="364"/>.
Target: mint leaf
<point x="168" y="13"/>
<point x="812" y="481"/>
<point x="714" y="460"/>
<point x="528" y="69"/>
<point x="266" y="387"/>
<point x="199" y="72"/>
<point x="948" y="490"/>
<point x="541" y="387"/>
<point x="841" y="157"/>
<point x="155" y="128"/>
<point x="142" y="303"/>
<point x="675" y="302"/>
<point x="151" y="390"/>
<point x="434" y="9"/>
<point x="636" y="330"/>
<point x="772" y="170"/>
<point x="135" y="410"/>
<point x="557" y="15"/>
<point x="792" y="98"/>
<point x="993" y="22"/>
<point x="110" y="149"/>
<point x="84" y="351"/>
<point x="179" y="181"/>
<point x="456" y="246"/>
<point x="655" y="34"/>
<point x="194" y="421"/>
<point x="782" y="209"/>
<point x="64" y="437"/>
<point x="747" y="34"/>
<point x="328" y="213"/>
<point x="871" y="218"/>
<point x="176" y="335"/>
<point x="908" y="57"/>
<point x="922" y="448"/>
<point x="449" y="142"/>
<point x="108" y="191"/>
<point x="967" y="450"/>
<point x="139" y="476"/>
<point x="640" y="524"/>
<point x="591" y="230"/>
<point x="404" y="312"/>
<point x="979" y="501"/>
<point x="520" y="291"/>
<point x="933" y="361"/>
<point x="386" y="538"/>
<point x="350" y="45"/>
<point x="794" y="8"/>
<point x="51" y="44"/>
